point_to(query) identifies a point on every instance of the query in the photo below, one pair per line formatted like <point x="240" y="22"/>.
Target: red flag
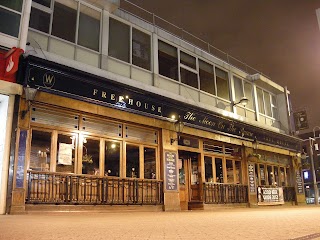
<point x="12" y="61"/>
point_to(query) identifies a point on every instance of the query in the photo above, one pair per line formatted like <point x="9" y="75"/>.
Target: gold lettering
<point x="153" y="108"/>
<point x="121" y="98"/>
<point x="159" y="109"/>
<point x="49" y="78"/>
<point x="138" y="103"/>
<point x="130" y="102"/>
<point x="190" y="116"/>
<point x="113" y="97"/>
<point x="95" y="91"/>
<point x="104" y="94"/>
<point x="146" y="106"/>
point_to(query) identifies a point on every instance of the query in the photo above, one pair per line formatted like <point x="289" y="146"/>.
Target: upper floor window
<point x="188" y="70"/>
<point x="267" y="103"/>
<point x="168" y="60"/>
<point x="119" y="44"/>
<point x="206" y="74"/>
<point x="243" y="89"/>
<point x="10" y="15"/>
<point x="222" y="82"/>
<point x="71" y="21"/>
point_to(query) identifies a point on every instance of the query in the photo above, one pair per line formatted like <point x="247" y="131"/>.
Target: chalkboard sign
<point x="171" y="177"/>
<point x="252" y="182"/>
<point x="21" y="158"/>
<point x="299" y="182"/>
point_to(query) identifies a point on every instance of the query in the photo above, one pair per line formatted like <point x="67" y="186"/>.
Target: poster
<point x="65" y="154"/>
<point x="252" y="182"/>
<point x="171" y="177"/>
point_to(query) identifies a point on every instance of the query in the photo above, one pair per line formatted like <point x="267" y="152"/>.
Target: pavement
<point x="278" y="223"/>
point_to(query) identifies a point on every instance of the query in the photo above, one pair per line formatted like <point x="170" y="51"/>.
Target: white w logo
<point x="48" y="80"/>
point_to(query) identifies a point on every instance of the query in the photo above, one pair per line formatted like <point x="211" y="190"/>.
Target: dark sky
<point x="280" y="38"/>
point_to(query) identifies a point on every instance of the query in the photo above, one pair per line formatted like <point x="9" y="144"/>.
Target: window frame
<point x="131" y="26"/>
<point x="50" y="11"/>
<point x="14" y="12"/>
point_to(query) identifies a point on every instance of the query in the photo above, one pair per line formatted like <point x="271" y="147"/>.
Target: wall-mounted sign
<point x="299" y="182"/>
<point x="270" y="196"/>
<point x="171" y="177"/>
<point x="300" y="120"/>
<point x="251" y="176"/>
<point x="21" y="158"/>
<point x="68" y="82"/>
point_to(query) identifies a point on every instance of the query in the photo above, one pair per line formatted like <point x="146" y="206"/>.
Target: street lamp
<point x="312" y="144"/>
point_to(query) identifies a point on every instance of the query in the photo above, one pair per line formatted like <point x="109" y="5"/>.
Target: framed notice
<point x="171" y="177"/>
<point x="252" y="182"/>
<point x="65" y="154"/>
<point x="299" y="182"/>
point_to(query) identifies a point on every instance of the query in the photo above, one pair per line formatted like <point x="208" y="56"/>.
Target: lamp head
<point x="243" y="101"/>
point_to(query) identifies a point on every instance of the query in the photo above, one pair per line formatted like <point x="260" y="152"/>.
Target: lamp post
<point x="312" y="144"/>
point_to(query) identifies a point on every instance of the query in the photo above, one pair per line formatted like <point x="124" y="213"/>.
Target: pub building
<point x="118" y="113"/>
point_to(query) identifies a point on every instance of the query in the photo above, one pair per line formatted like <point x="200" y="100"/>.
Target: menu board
<point x="171" y="177"/>
<point x="252" y="182"/>
<point x="299" y="182"/>
<point x="270" y="195"/>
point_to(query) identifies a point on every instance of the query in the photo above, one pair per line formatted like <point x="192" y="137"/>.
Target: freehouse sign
<point x="57" y="79"/>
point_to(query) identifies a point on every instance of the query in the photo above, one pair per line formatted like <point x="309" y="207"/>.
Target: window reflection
<point x="112" y="159"/>
<point x="229" y="165"/>
<point x="133" y="162"/>
<point x="90" y="157"/>
<point x="208" y="169"/>
<point x="40" y="151"/>
<point x="149" y="163"/>
<point x="219" y="170"/>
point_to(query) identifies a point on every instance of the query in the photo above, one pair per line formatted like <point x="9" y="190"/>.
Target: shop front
<point x="90" y="141"/>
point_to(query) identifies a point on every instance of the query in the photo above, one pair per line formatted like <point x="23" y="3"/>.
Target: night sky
<point x="280" y="38"/>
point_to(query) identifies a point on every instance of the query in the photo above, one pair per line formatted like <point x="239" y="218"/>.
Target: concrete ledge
<point x="214" y="207"/>
<point x="44" y="208"/>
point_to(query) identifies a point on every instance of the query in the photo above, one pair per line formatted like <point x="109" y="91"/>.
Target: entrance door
<point x="190" y="177"/>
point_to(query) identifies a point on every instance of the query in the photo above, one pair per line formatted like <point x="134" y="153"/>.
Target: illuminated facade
<point x="128" y="114"/>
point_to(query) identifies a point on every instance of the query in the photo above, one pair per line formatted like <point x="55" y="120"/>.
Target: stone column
<point x="170" y="191"/>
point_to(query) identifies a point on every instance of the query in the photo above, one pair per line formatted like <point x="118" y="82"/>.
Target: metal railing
<point x="59" y="188"/>
<point x="217" y="193"/>
<point x="156" y="21"/>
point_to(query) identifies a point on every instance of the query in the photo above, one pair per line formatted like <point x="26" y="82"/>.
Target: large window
<point x="40" y="151"/>
<point x="69" y="19"/>
<point x="112" y="159"/>
<point x="90" y="156"/>
<point x="10" y="16"/>
<point x="65" y="20"/>
<point x="188" y="70"/>
<point x="267" y="104"/>
<point x="149" y="163"/>
<point x="168" y="60"/>
<point x="132" y="161"/>
<point x="66" y="157"/>
<point x="207" y="82"/>
<point x="242" y="89"/>
<point x="119" y="44"/>
<point x="222" y="163"/>
<point x="222" y="82"/>
<point x="141" y="49"/>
